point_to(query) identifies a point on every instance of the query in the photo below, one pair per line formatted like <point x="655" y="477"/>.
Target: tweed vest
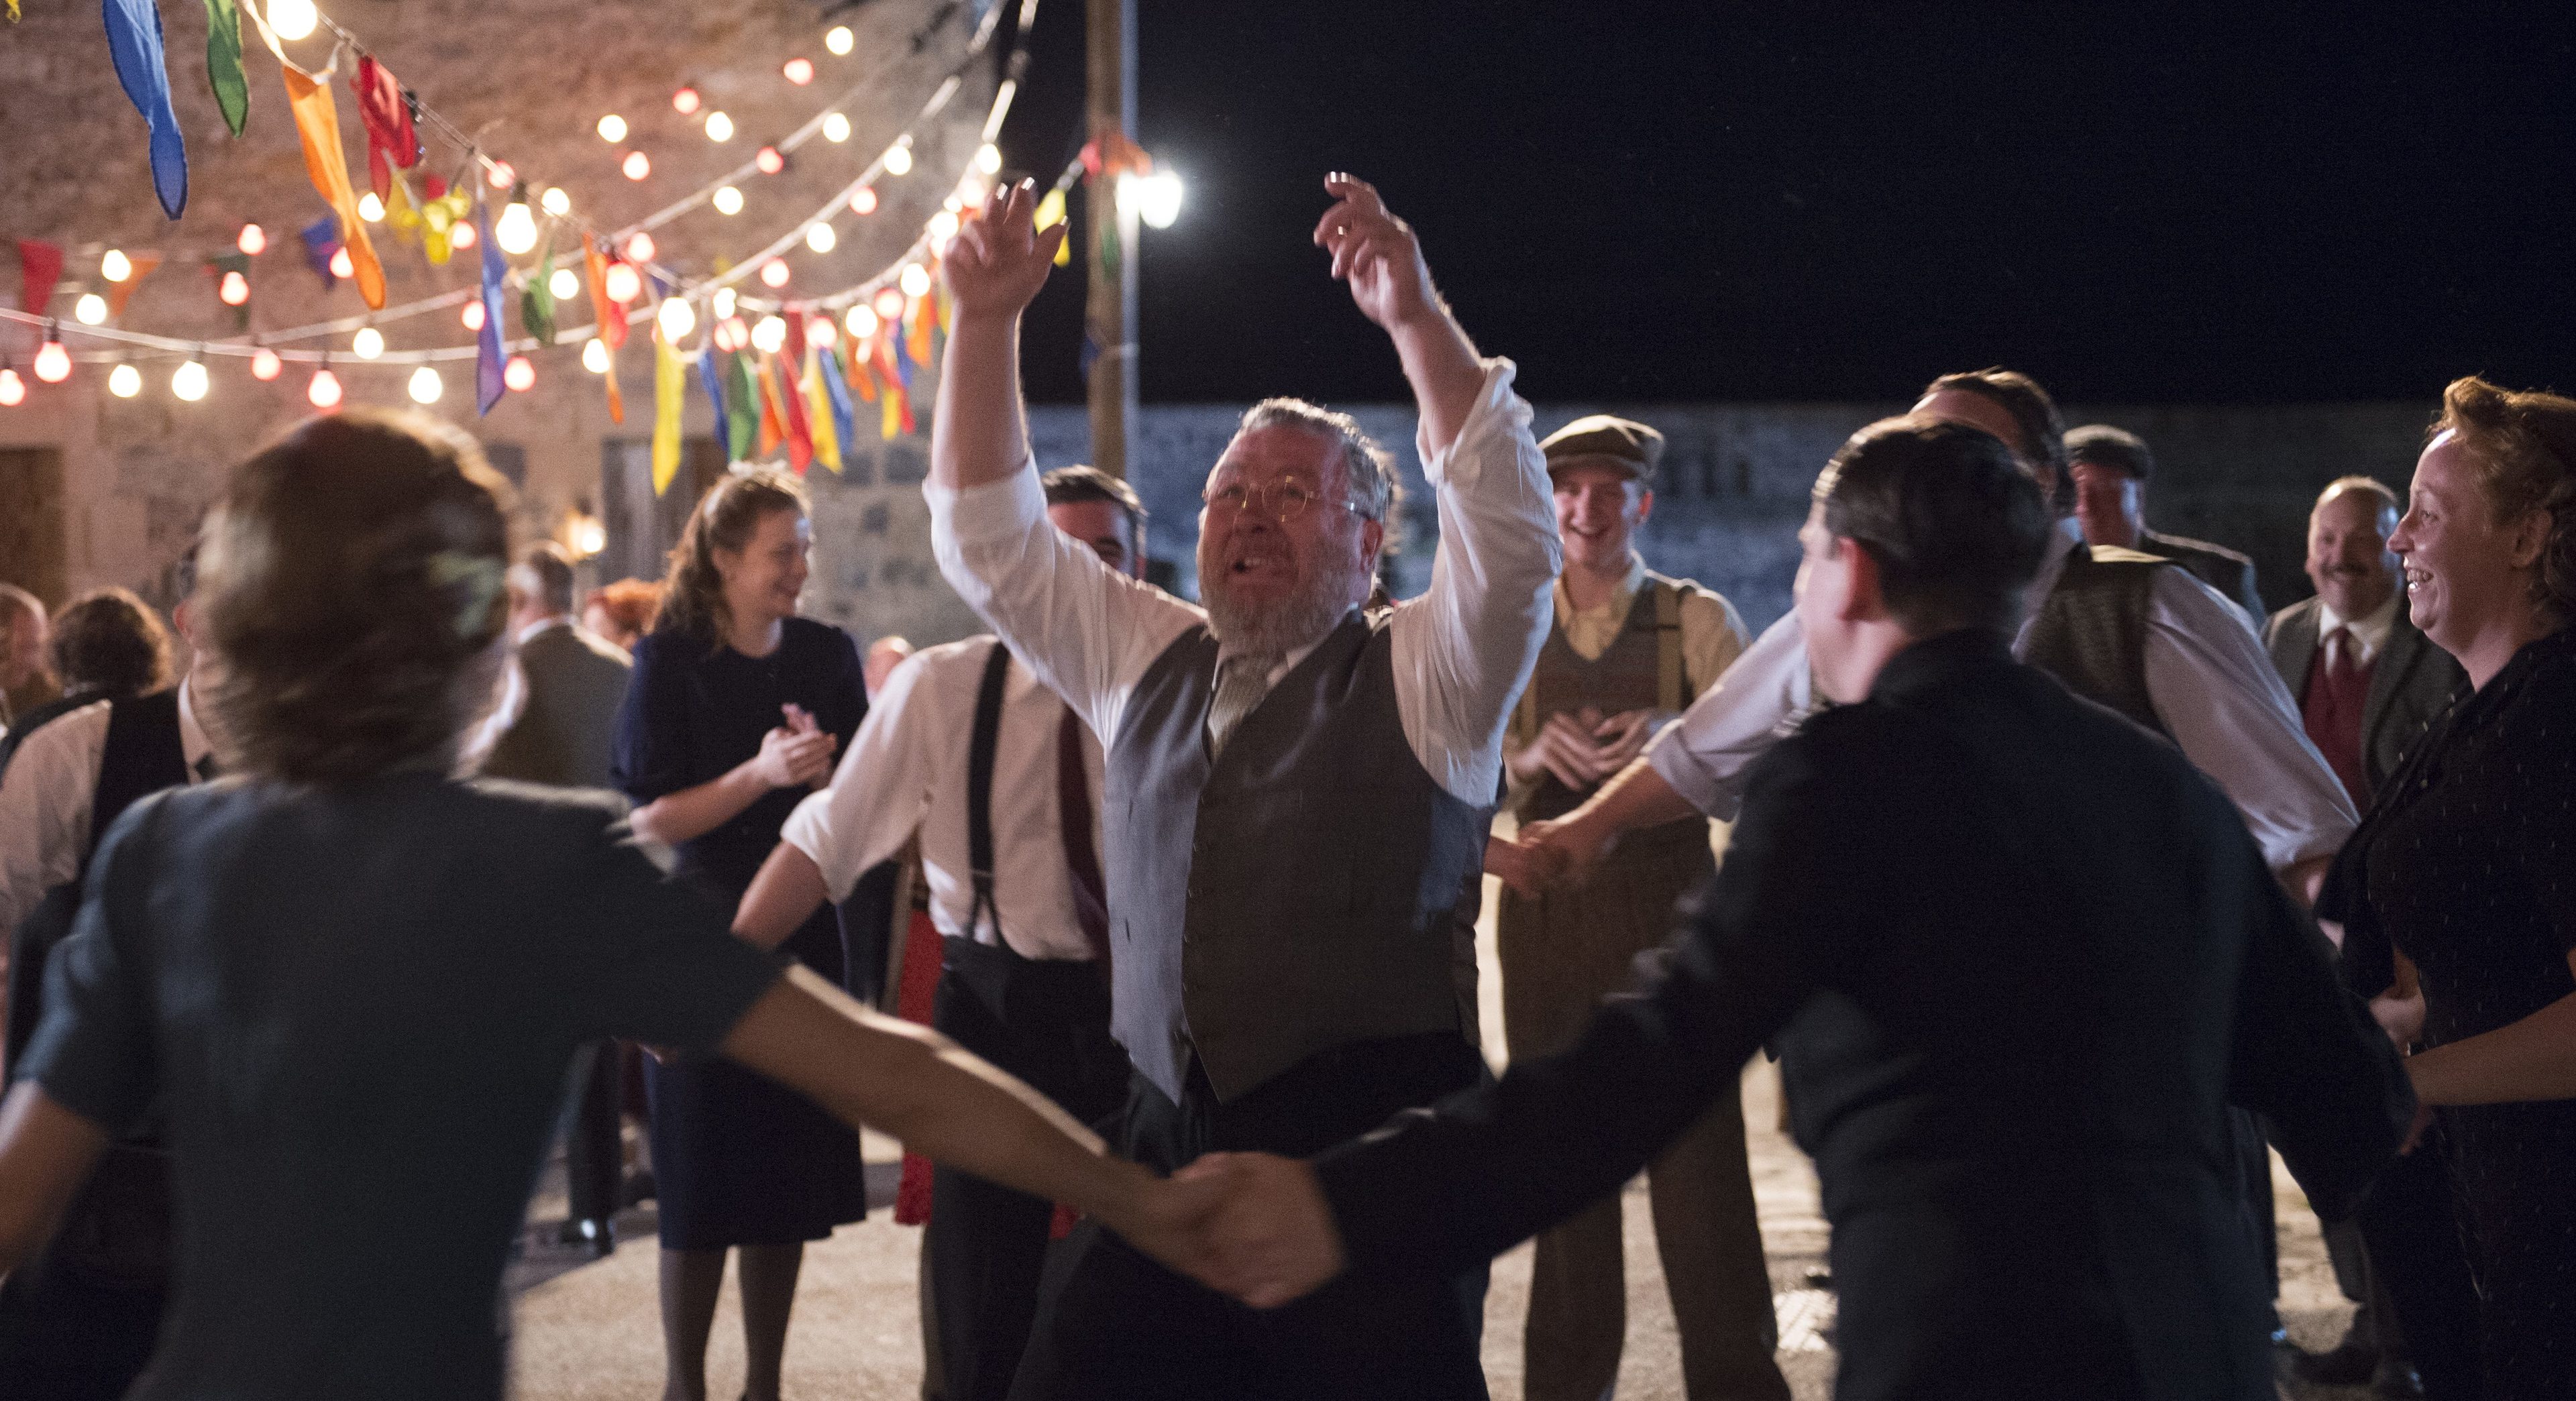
<point x="1297" y="892"/>
<point x="2091" y="631"/>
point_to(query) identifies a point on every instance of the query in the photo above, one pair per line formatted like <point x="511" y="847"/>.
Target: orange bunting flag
<point x="118" y="292"/>
<point x="773" y="423"/>
<point x="317" y="120"/>
<point x="617" y="400"/>
<point x="922" y="316"/>
<point x="861" y="379"/>
<point x="612" y="317"/>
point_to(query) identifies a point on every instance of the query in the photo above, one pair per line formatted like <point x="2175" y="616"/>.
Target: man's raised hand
<point x="1376" y="252"/>
<point x="1000" y="259"/>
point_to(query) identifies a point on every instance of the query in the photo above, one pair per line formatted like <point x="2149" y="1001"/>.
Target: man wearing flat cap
<point x="1629" y="651"/>
<point x="2111" y="467"/>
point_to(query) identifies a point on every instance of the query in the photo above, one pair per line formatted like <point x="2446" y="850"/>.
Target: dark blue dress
<point x="737" y="1159"/>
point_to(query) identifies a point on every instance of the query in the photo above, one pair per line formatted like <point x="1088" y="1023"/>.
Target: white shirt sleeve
<point x="1464" y="649"/>
<point x="2227" y="707"/>
<point x="1761" y="698"/>
<point x="1086" y="630"/>
<point x="45" y="802"/>
<point x="882" y="788"/>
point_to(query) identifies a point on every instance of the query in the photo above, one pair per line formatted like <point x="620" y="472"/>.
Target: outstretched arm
<point x="1379" y="256"/>
<point x="46" y="1153"/>
<point x="994" y="270"/>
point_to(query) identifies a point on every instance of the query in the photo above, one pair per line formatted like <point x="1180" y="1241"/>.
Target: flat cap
<point x="1606" y="441"/>
<point x="2119" y="449"/>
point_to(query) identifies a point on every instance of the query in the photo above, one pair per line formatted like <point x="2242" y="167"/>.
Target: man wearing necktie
<point x="967" y="750"/>
<point x="1297" y="795"/>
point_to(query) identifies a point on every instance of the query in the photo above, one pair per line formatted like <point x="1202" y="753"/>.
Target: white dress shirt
<point x="905" y="774"/>
<point x="1462" y="650"/>
<point x="2207" y="675"/>
<point x="2365" y="634"/>
<point x="45" y="801"/>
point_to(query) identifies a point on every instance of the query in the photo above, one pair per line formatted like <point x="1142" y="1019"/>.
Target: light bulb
<point x="898" y="158"/>
<point x="519" y="374"/>
<point x="799" y="71"/>
<point x="612" y="128"/>
<point x="889" y="303"/>
<point x="769" y="162"/>
<point x="863" y="200"/>
<point x="472" y="316"/>
<point x="860" y="322"/>
<point x="677" y="319"/>
<point x="731" y="334"/>
<point x="685" y="101"/>
<point x="821" y="331"/>
<point x="637" y="165"/>
<point x="988" y="158"/>
<point x="728" y="200"/>
<point x="820" y="238"/>
<point x="723" y="304"/>
<point x="253" y="240"/>
<point x="943" y="227"/>
<point x="639" y="249"/>
<point x="501" y="176"/>
<point x="368" y="343"/>
<point x="293" y="19"/>
<point x="324" y="391"/>
<point x="426" y="386"/>
<point x="516" y="230"/>
<point x="233" y="290"/>
<point x="13" y="390"/>
<point x="839" y="39"/>
<point x="371" y="208"/>
<point x="264" y="364"/>
<point x="594" y="356"/>
<point x="555" y="201"/>
<point x="115" y="267"/>
<point x="836" y="128"/>
<point x="621" y="283"/>
<point x="1158" y="198"/>
<point x="770" y="336"/>
<point x="125" y="381"/>
<point x="342" y="266"/>
<point x="565" y="284"/>
<point x="53" y="363"/>
<point x="460" y="235"/>
<point x="774" y="272"/>
<point x="189" y="381"/>
<point x="90" y="310"/>
<point x="719" y="127"/>
<point x="914" y="280"/>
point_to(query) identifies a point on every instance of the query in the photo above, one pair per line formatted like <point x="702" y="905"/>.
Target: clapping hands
<point x="1246" y="1224"/>
<point x="798" y="752"/>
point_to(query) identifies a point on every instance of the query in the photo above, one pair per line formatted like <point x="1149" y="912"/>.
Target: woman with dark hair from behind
<point x="735" y="711"/>
<point x="106" y="644"/>
<point x="350" y="984"/>
<point x="2462" y="880"/>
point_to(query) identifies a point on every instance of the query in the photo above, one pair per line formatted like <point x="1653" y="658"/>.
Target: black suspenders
<point x="979" y="791"/>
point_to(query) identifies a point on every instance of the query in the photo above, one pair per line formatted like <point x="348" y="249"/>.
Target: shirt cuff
<point x="993" y="512"/>
<point x="1672" y="762"/>
<point x="1459" y="465"/>
<point x="809" y="830"/>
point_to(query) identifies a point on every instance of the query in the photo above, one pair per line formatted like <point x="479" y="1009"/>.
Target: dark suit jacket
<point x="576" y="680"/>
<point x="2019" y="957"/>
<point x="2411" y="682"/>
<point x="2223" y="569"/>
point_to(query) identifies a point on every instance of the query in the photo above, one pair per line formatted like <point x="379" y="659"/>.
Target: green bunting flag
<point x="223" y="63"/>
<point x="537" y="301"/>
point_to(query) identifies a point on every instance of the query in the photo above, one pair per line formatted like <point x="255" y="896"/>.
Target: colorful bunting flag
<point x="594" y="270"/>
<point x="224" y="65"/>
<point x="134" y="42"/>
<point x="386" y="116"/>
<point x="537" y="299"/>
<point x="616" y="395"/>
<point x="317" y="120"/>
<point x="118" y="293"/>
<point x="844" y="429"/>
<point x="667" y="391"/>
<point x="711" y="379"/>
<point x="818" y="415"/>
<point x="743" y="408"/>
<point x="40" y="266"/>
<point x="321" y="240"/>
<point x="791" y="402"/>
<point x="773" y="419"/>
<point x="487" y="342"/>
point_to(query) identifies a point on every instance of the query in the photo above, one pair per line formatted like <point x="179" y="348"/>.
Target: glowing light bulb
<point x="774" y="273"/>
<point x="565" y="284"/>
<point x="90" y="310"/>
<point x="769" y="162"/>
<point x="840" y="40"/>
<point x="860" y="322"/>
<point x="342" y="266"/>
<point x="723" y="303"/>
<point x="460" y="235"/>
<point x="188" y="381"/>
<point x="943" y="227"/>
<point x="516" y="230"/>
<point x="371" y="208"/>
<point x="115" y="267"/>
<point x="898" y="157"/>
<point x="612" y="128"/>
<point x="685" y="101"/>
<point x="799" y="71"/>
<point x="324" y="391"/>
<point x="639" y="249"/>
<point x="13" y="390"/>
<point x="125" y="381"/>
<point x="988" y="158"/>
<point x="677" y="319"/>
<point x="731" y="334"/>
<point x="426" y="386"/>
<point x="519" y="375"/>
<point x="719" y="127"/>
<point x="622" y="283"/>
<point x="555" y="201"/>
<point x="889" y="303"/>
<point x="637" y="165"/>
<point x="728" y="200"/>
<point x="53" y="363"/>
<point x="368" y="343"/>
<point x="863" y="200"/>
<point x="820" y="238"/>
<point x="914" y="280"/>
<point x="594" y="356"/>
<point x="836" y="128"/>
<point x="501" y="176"/>
<point x="1158" y="198"/>
<point x="472" y="316"/>
<point x="821" y="331"/>
<point x="233" y="290"/>
<point x="769" y="336"/>
<point x="253" y="240"/>
<point x="293" y="19"/>
<point x="264" y="364"/>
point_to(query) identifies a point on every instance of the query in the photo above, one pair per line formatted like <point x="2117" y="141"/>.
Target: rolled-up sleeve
<point x="1753" y="706"/>
<point x="880" y="792"/>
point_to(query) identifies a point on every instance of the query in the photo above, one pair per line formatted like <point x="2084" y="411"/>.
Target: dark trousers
<point x="65" y="1337"/>
<point x="985" y="1246"/>
<point x="594" y="1156"/>
<point x="1117" y="1325"/>
<point x="2412" y="1226"/>
<point x="2253" y="1154"/>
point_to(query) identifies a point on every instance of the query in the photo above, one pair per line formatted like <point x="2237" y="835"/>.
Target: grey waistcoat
<point x="1297" y="894"/>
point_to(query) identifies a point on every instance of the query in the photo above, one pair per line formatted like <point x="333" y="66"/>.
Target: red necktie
<point x="1073" y="797"/>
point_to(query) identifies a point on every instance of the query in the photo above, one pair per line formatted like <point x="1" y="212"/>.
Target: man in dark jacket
<point x="2111" y="467"/>
<point x="2018" y="956"/>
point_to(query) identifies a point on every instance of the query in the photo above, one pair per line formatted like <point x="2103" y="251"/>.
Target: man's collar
<point x="1619" y="598"/>
<point x="193" y="743"/>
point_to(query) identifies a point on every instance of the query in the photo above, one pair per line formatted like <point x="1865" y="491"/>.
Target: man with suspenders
<point x="1006" y="807"/>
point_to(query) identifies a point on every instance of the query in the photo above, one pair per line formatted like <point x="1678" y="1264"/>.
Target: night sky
<point x="1793" y="201"/>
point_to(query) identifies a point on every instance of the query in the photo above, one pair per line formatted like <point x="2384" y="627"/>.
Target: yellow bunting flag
<point x="1050" y="214"/>
<point x="818" y="414"/>
<point x="669" y="377"/>
<point x="318" y="122"/>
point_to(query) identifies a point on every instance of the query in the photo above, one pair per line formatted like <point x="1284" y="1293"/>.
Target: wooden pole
<point x="1109" y="316"/>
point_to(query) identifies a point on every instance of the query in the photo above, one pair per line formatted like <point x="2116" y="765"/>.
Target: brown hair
<point x="109" y="642"/>
<point x="693" y="593"/>
<point x="1950" y="515"/>
<point x="2522" y="444"/>
<point x="352" y="593"/>
<point x="2043" y="432"/>
<point x="632" y="602"/>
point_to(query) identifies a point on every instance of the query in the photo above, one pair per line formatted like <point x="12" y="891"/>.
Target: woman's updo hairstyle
<point x="725" y="519"/>
<point x="2522" y="444"/>
<point x="352" y="590"/>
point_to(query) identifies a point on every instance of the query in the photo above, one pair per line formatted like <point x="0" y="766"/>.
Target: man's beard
<point x="1303" y="617"/>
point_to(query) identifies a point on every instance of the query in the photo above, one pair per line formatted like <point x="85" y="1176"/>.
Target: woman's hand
<point x="789" y="758"/>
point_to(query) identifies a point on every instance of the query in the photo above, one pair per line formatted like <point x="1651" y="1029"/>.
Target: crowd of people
<point x="2065" y="884"/>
